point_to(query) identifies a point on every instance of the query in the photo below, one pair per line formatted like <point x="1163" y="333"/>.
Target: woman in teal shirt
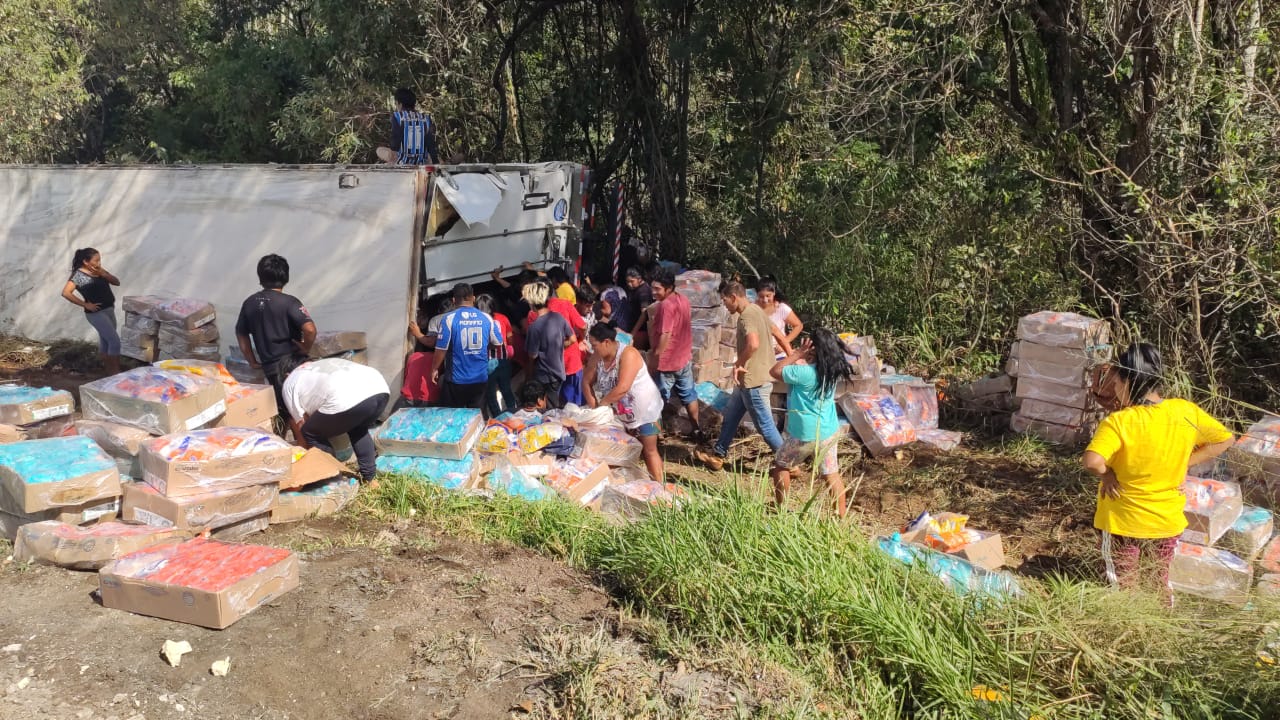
<point x="811" y="374"/>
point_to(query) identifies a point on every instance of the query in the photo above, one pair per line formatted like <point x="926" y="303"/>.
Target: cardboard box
<point x="448" y="474"/>
<point x="879" y="421"/>
<point x="134" y="321"/>
<point x="11" y="433"/>
<point x="249" y="406"/>
<point x="237" y="531"/>
<point x="58" y="472"/>
<point x="311" y="467"/>
<point x="96" y="511"/>
<point x="1210" y="573"/>
<point x="1063" y="330"/>
<point x="144" y="504"/>
<point x="158" y="401"/>
<point x="1212" y="508"/>
<point x="446" y="433"/>
<point x="1047" y="431"/>
<point x="175" y="337"/>
<point x="581" y="481"/>
<point x="202" y="582"/>
<point x="205" y="461"/>
<point x="1078" y="397"/>
<point x="1056" y="414"/>
<point x="987" y="552"/>
<point x="1072" y="357"/>
<point x="186" y="313"/>
<point x="22" y="405"/>
<point x="116" y="440"/>
<point x="635" y="498"/>
<point x="919" y="400"/>
<point x="1249" y="533"/>
<point x="86" y="547"/>
<point x="336" y="342"/>
<point x="315" y="500"/>
<point x="505" y="477"/>
<point x="608" y="444"/>
<point x="1055" y="372"/>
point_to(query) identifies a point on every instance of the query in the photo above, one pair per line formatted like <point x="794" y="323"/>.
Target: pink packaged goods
<point x="879" y="421"/>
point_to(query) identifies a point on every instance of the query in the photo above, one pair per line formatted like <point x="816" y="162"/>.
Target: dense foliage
<point x="926" y="170"/>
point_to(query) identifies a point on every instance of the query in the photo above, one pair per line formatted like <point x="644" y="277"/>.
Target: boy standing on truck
<point x="274" y="330"/>
<point x="413" y="134"/>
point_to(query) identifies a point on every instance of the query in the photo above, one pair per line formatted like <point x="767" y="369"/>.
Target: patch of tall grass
<point x="884" y="640"/>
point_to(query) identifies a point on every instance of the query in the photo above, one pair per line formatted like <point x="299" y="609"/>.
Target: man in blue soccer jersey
<point x="413" y="134"/>
<point x="466" y="334"/>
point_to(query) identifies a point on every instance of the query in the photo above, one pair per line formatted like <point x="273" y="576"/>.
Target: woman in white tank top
<point x="779" y="313"/>
<point x="616" y="377"/>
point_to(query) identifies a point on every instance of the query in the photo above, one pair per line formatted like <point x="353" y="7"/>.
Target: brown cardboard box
<point x="314" y="465"/>
<point x="89" y="547"/>
<point x="11" y="434"/>
<point x="144" y="504"/>
<point x="318" y="500"/>
<point x="182" y="478"/>
<point x="96" y="511"/>
<point x="237" y="531"/>
<point x="1047" y="431"/>
<point x="50" y="404"/>
<point x="728" y="354"/>
<point x="102" y="400"/>
<point x="57" y="472"/>
<point x="987" y="553"/>
<point x="202" y="582"/>
<point x="250" y="406"/>
<point x="580" y="481"/>
<point x="1078" y="357"/>
<point x="336" y="342"/>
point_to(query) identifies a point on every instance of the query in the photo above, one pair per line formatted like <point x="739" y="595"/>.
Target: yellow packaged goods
<point x="57" y="472"/>
<point x="89" y="547"/>
<point x="496" y="438"/>
<point x="158" y="401"/>
<point x="22" y="405"/>
<point x="311" y="466"/>
<point x="205" y="461"/>
<point x="315" y="500"/>
<point x="948" y="533"/>
<point x="144" y="504"/>
<point x="202" y="582"/>
<point x="536" y="437"/>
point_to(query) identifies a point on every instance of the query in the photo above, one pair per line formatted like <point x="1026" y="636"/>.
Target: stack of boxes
<point x="433" y="443"/>
<point x="33" y="413"/>
<point x="1222" y="537"/>
<point x="1054" y="360"/>
<point x="345" y="344"/>
<point x="714" y="343"/>
<point x="160" y="327"/>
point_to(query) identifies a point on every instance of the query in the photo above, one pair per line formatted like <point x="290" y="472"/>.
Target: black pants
<point x="276" y="371"/>
<point x="470" y="395"/>
<point x="353" y="423"/>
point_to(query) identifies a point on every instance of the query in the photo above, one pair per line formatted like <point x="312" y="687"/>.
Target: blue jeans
<point x="682" y="381"/>
<point x="749" y="400"/>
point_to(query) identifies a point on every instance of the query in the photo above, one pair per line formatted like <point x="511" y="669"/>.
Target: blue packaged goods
<point x="1250" y="532"/>
<point x="448" y="474"/>
<point x="22" y="405"/>
<point x="206" y="461"/>
<point x="40" y="475"/>
<point x="956" y="573"/>
<point x="510" y="479"/>
<point x="447" y="433"/>
<point x="315" y="500"/>
<point x="158" y="401"/>
<point x="712" y="396"/>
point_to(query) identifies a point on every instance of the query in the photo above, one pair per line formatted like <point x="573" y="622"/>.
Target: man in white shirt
<point x="336" y="397"/>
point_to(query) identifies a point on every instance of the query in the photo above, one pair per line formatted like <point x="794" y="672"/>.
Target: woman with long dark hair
<point x="93" y="283"/>
<point x="811" y="373"/>
<point x="1140" y="454"/>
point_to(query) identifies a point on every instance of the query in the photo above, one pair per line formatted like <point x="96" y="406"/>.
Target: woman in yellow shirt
<point x="1141" y="454"/>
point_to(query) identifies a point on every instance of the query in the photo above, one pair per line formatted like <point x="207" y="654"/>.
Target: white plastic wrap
<point x="1074" y="397"/>
<point x="1210" y="573"/>
<point x="158" y="401"/>
<point x="1063" y="330"/>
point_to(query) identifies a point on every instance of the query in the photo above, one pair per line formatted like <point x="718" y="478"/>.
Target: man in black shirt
<point x="274" y="330"/>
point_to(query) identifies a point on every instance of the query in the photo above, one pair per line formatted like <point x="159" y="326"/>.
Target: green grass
<point x="877" y="639"/>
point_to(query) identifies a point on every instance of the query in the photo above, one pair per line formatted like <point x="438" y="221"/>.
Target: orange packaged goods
<point x="158" y="401"/>
<point x="205" y="461"/>
<point x="1212" y="508"/>
<point x="581" y="481"/>
<point x="144" y="504"/>
<point x="879" y="421"/>
<point x="248" y="405"/>
<point x="86" y="548"/>
<point x="201" y="582"/>
<point x="203" y="368"/>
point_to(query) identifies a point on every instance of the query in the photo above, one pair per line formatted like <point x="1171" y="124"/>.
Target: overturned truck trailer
<point x="363" y="243"/>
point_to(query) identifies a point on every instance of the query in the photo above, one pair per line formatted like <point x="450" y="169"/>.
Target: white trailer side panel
<point x="199" y="231"/>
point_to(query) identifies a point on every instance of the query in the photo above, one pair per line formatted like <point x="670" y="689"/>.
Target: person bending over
<point x="333" y="397"/>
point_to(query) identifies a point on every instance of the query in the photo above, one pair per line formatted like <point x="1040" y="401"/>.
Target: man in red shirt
<point x="571" y="391"/>
<point x="672" y="340"/>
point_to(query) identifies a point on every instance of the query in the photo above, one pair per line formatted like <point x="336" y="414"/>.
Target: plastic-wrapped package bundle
<point x="248" y="405"/>
<point x="584" y="417"/>
<point x="94" y="511"/>
<point x="22" y="405"/>
<point x="1269" y="561"/>
<point x="206" y="353"/>
<point x="158" y="401"/>
<point x="122" y="442"/>
<point x="317" y="500"/>
<point x="710" y="395"/>
<point x="609" y="445"/>
<point x="174" y="338"/>
<point x="537" y="437"/>
<point x="40" y="475"/>
<point x="1056" y="414"/>
<point x="86" y="547"/>
<point x="204" y="461"/>
<point x="237" y="531"/>
<point x="580" y="480"/>
<point x="201" y="582"/>
<point x="954" y="572"/>
<point x="144" y="504"/>
<point x="240" y="369"/>
<point x="447" y="433"/>
<point x="448" y="474"/>
<point x="943" y="440"/>
<point x="1047" y="431"/>
<point x="187" y="313"/>
<point x="512" y="480"/>
<point x="330" y="343"/>
<point x="1210" y="573"/>
<point x="709" y="316"/>
<point x="634" y="498"/>
<point x="1250" y="532"/>
<point x="1256" y="456"/>
<point x="1212" y="507"/>
<point x="141" y="324"/>
<point x="139" y="345"/>
<point x="496" y="438"/>
<point x="1063" y="330"/>
<point x="919" y="400"/>
<point x="879" y="422"/>
<point x="1079" y="398"/>
<point x="700" y="287"/>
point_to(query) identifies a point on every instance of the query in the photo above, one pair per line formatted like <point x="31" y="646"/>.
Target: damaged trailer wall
<point x="199" y="231"/>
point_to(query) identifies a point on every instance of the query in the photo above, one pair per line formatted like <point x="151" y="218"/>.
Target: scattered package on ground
<point x="315" y="500"/>
<point x="956" y="573"/>
<point x="87" y="547"/>
<point x="949" y="533"/>
<point x="1211" y="573"/>
<point x="447" y="433"/>
<point x="333" y="343"/>
<point x="537" y="437"/>
<point x="186" y="313"/>
<point x="1212" y="507"/>
<point x="237" y="531"/>
<point x="944" y="440"/>
<point x="496" y="438"/>
<point x="447" y="473"/>
<point x="580" y="480"/>
<point x="158" y="401"/>
<point x="1250" y="532"/>
<point x="879" y="422"/>
<point x="609" y="445"/>
<point x="311" y="466"/>
<point x="1047" y="431"/>
<point x="512" y="479"/>
<point x="58" y="472"/>
<point x="918" y="398"/>
<point x="120" y="441"/>
<point x="988" y="394"/>
<point x="144" y="504"/>
<point x="204" y="461"/>
<point x="22" y="405"/>
<point x="91" y="512"/>
<point x="201" y="582"/>
<point x="634" y="498"/>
